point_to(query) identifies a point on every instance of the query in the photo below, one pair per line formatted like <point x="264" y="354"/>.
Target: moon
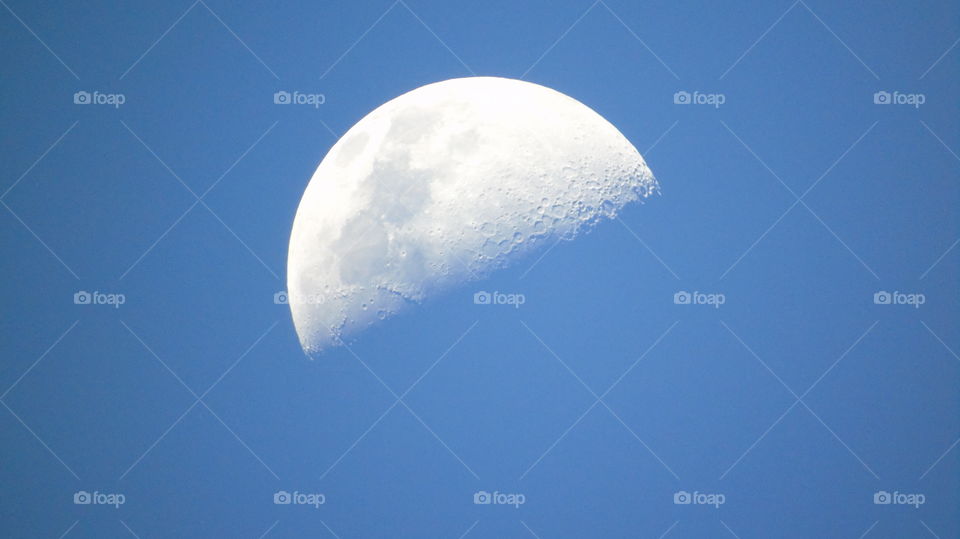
<point x="443" y="185"/>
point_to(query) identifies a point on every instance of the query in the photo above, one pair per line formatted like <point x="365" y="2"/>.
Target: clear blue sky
<point x="797" y="399"/>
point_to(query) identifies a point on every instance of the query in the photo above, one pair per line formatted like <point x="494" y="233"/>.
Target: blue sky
<point x="798" y="199"/>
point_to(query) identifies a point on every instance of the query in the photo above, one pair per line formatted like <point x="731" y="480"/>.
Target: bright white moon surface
<point x="443" y="185"/>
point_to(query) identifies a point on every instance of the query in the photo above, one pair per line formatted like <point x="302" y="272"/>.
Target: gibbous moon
<point x="443" y="185"/>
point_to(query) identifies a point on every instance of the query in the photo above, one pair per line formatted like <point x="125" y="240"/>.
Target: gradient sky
<point x="798" y="199"/>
